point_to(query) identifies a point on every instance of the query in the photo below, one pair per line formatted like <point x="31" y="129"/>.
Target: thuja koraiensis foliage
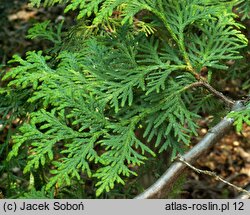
<point x="120" y="87"/>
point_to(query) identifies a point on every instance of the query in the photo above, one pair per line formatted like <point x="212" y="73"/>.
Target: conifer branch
<point x="163" y="185"/>
<point x="180" y="43"/>
<point x="98" y="91"/>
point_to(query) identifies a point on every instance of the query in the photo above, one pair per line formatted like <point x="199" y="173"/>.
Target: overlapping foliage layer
<point x="86" y="100"/>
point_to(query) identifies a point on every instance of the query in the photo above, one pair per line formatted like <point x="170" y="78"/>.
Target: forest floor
<point x="229" y="158"/>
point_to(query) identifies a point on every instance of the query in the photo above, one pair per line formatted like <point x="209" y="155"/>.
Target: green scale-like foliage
<point x="243" y="8"/>
<point x="241" y="116"/>
<point x="91" y="102"/>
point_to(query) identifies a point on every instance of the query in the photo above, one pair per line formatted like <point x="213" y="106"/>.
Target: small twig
<point x="220" y="95"/>
<point x="229" y="179"/>
<point x="215" y="92"/>
<point x="213" y="174"/>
